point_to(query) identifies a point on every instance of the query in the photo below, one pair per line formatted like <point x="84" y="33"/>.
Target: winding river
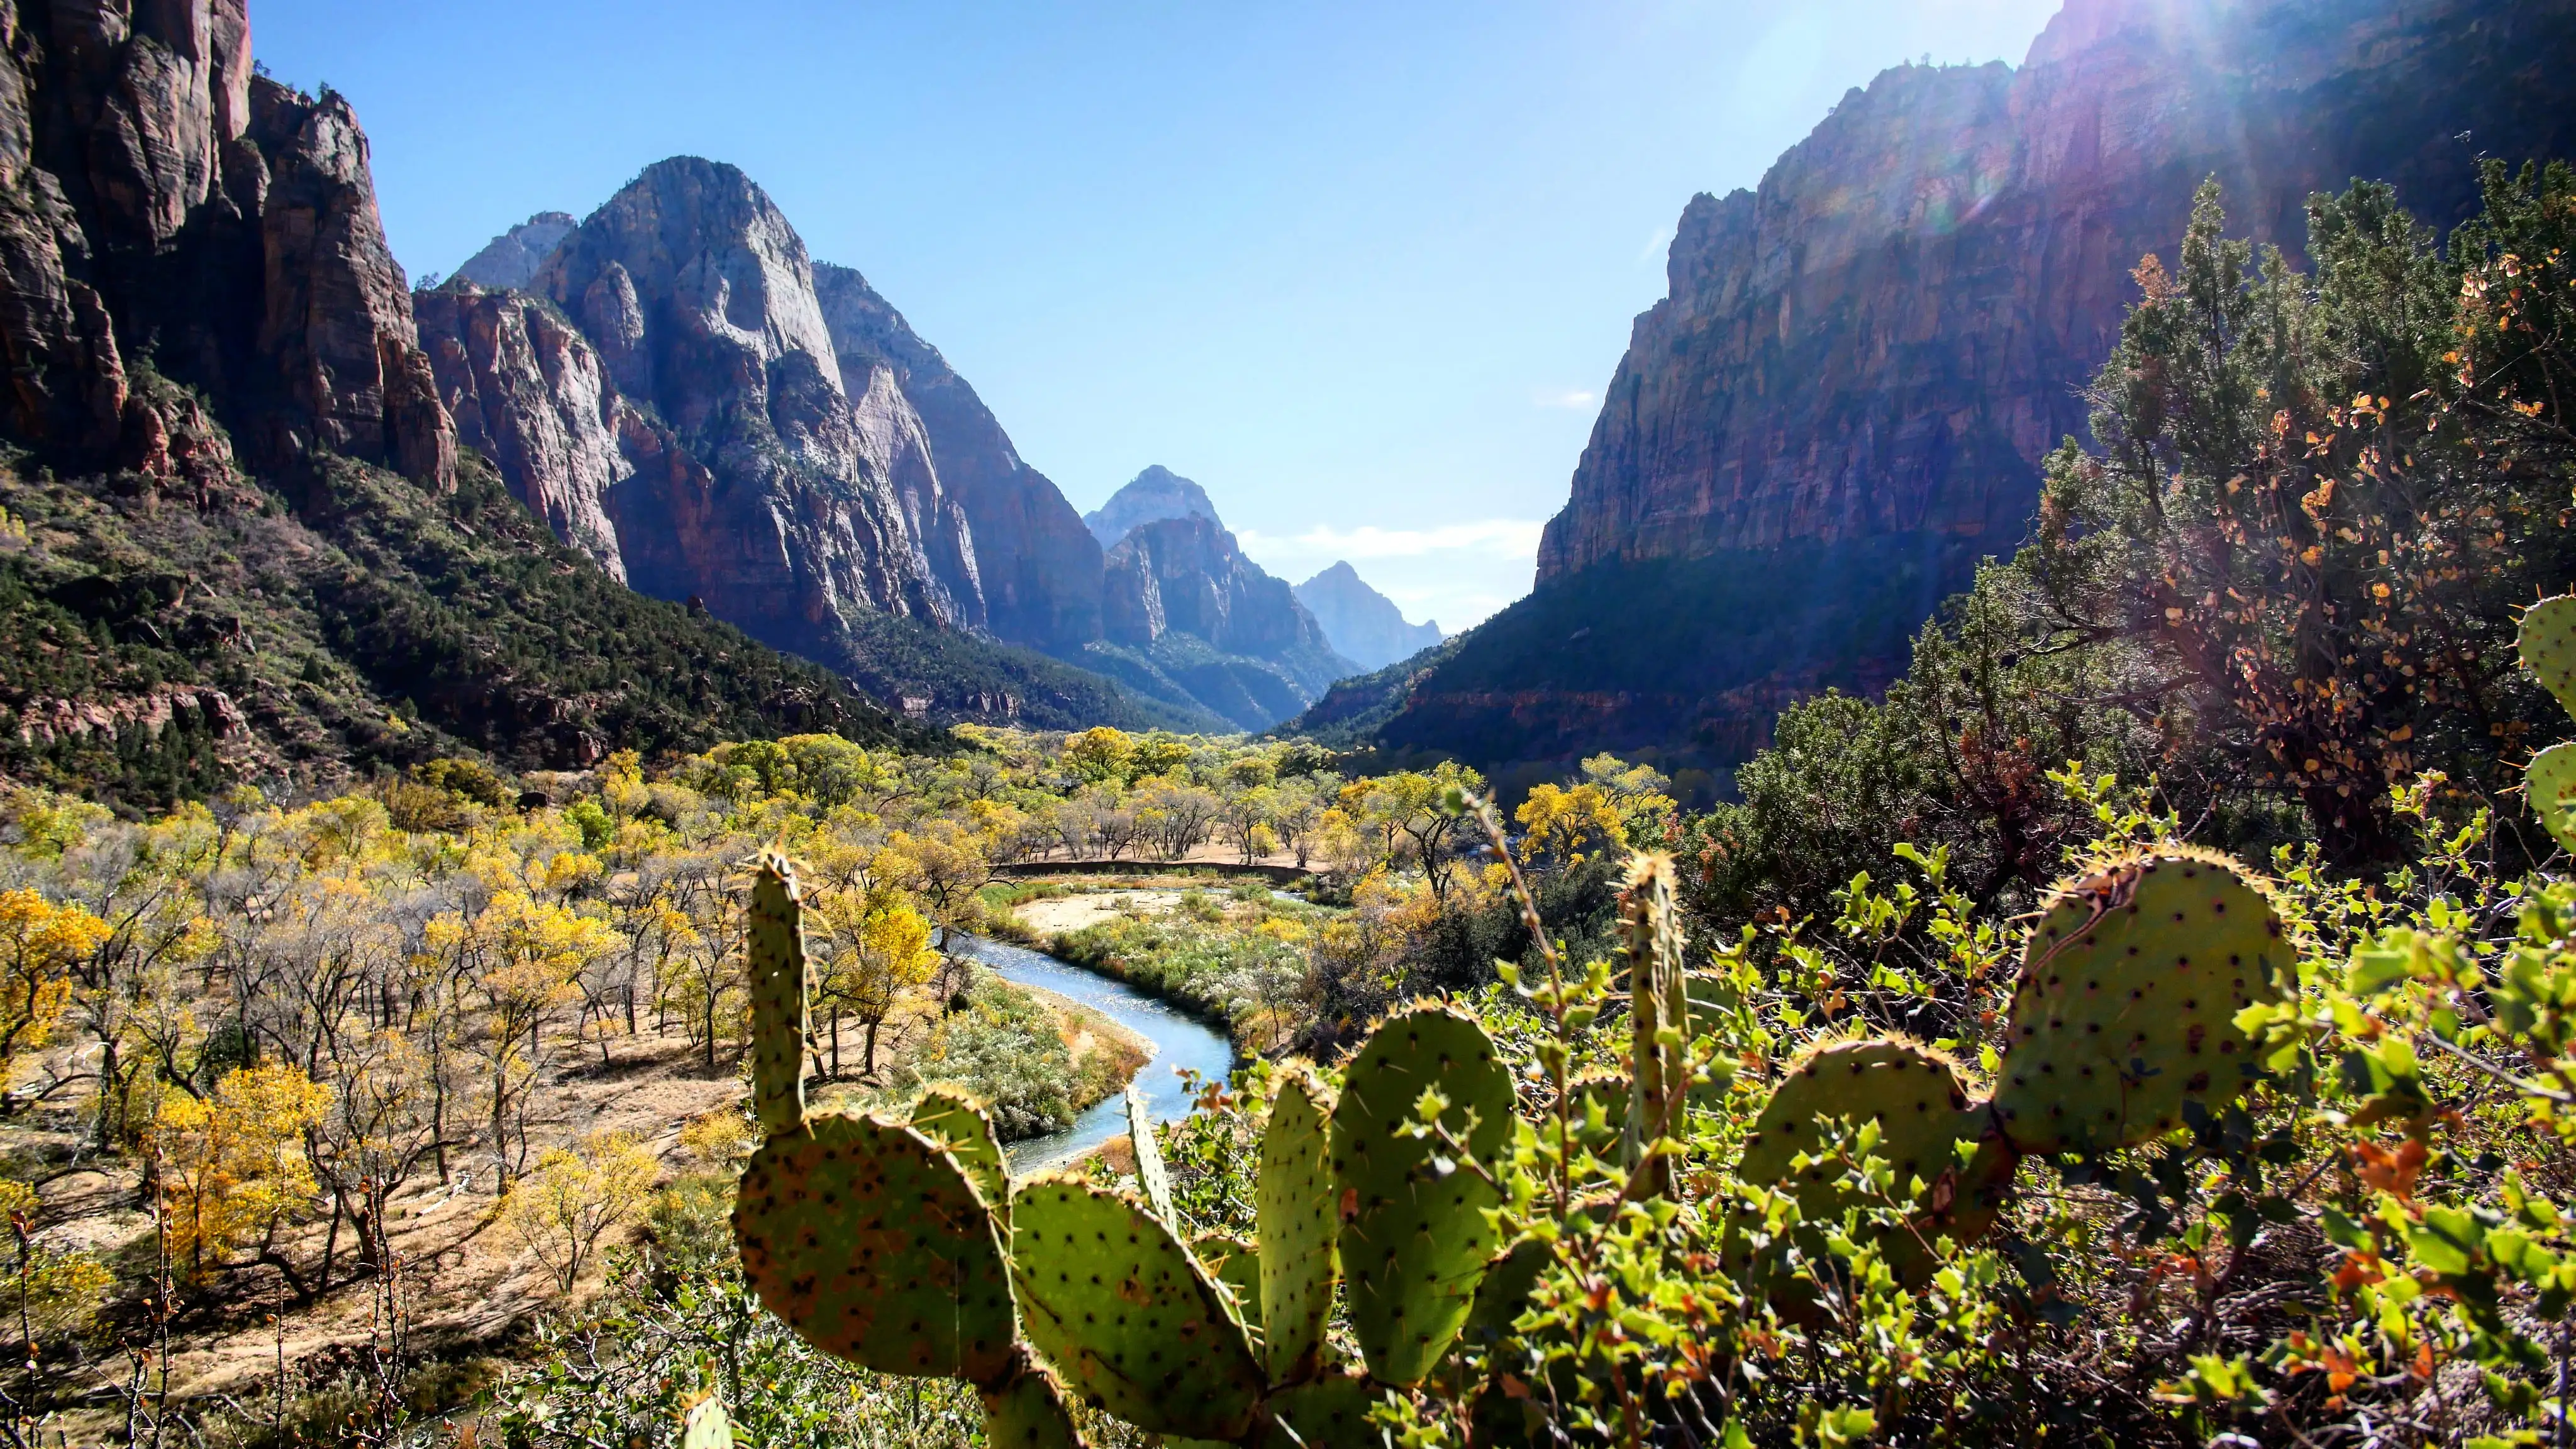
<point x="1180" y="1043"/>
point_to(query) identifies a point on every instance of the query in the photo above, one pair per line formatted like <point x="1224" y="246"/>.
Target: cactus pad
<point x="1150" y="1173"/>
<point x="1330" y="1413"/>
<point x="1234" y="1265"/>
<point x="1923" y="1112"/>
<point x="1596" y="1109"/>
<point x="2549" y="646"/>
<point x="2550" y="785"/>
<point x="870" y="1240"/>
<point x="1658" y="1015"/>
<point x="1414" y="1234"/>
<point x="957" y="1122"/>
<point x="1027" y="1411"/>
<point x="775" y="947"/>
<point x="706" y="1425"/>
<point x="1125" y="1314"/>
<point x="1298" y="1222"/>
<point x="2126" y="1006"/>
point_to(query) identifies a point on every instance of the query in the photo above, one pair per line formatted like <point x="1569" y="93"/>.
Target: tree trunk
<point x="872" y="1047"/>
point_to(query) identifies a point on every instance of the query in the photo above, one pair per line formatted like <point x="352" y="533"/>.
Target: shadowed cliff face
<point x="153" y="192"/>
<point x="1867" y="357"/>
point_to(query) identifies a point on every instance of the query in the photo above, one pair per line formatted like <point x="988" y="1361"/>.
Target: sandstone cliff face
<point x="1186" y="574"/>
<point x="146" y="173"/>
<point x="1037" y="567"/>
<point x="527" y="390"/>
<point x="756" y="484"/>
<point x="1887" y="335"/>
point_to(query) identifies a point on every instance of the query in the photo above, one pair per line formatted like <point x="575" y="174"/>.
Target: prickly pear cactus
<point x="1596" y="1108"/>
<point x="706" y="1425"/>
<point x="775" y="946"/>
<point x="1658" y="1014"/>
<point x="958" y="1123"/>
<point x="2548" y="643"/>
<point x="2126" y="1004"/>
<point x="2550" y="785"/>
<point x="1414" y="1235"/>
<point x="1027" y="1411"/>
<point x="1923" y="1113"/>
<point x="1298" y="1224"/>
<point x="871" y="1241"/>
<point x="1125" y="1314"/>
<point x="1332" y="1410"/>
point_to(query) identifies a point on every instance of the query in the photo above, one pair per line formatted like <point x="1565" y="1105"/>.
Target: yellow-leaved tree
<point x="875" y="955"/>
<point x="575" y="1197"/>
<point x="232" y="1164"/>
<point x="39" y="944"/>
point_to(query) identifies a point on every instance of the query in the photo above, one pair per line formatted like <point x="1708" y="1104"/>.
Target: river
<point x="1179" y="1040"/>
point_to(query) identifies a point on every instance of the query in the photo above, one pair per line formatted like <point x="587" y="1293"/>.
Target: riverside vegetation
<point x="1951" y="1086"/>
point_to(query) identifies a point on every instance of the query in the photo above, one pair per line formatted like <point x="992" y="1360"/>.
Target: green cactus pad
<point x="1124" y="1313"/>
<point x="871" y="1241"/>
<point x="1233" y="1264"/>
<point x="1330" y="1413"/>
<point x="1027" y="1411"/>
<point x="1504" y="1295"/>
<point x="957" y="1122"/>
<point x="2127" y="1000"/>
<point x="1298" y="1224"/>
<point x="2549" y="646"/>
<point x="1658" y="1003"/>
<point x="1414" y="1234"/>
<point x="2550" y="785"/>
<point x="1150" y="1174"/>
<point x="706" y="1426"/>
<point x="1923" y="1112"/>
<point x="775" y="949"/>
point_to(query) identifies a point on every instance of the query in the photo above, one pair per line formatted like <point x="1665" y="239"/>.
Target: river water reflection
<point x="1180" y="1043"/>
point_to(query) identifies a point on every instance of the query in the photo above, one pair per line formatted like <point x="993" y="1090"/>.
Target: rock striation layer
<point x="1363" y="625"/>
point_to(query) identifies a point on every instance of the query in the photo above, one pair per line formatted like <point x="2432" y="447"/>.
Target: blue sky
<point x="1362" y="270"/>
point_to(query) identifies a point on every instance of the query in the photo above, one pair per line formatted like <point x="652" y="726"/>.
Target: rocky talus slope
<point x="1846" y="394"/>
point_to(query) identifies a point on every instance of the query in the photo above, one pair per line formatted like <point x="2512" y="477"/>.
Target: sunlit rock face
<point x="1887" y="335"/>
<point x="751" y="478"/>
<point x="1036" y="566"/>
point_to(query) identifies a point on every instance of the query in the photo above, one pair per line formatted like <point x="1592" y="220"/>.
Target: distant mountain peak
<point x="1363" y="625"/>
<point x="1155" y="494"/>
<point x="511" y="260"/>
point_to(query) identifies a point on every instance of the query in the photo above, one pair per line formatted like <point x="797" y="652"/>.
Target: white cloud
<point x="1572" y="399"/>
<point x="1656" y="242"/>
<point x="1493" y="537"/>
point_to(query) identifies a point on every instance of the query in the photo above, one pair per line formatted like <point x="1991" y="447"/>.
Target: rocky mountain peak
<point x="1363" y="625"/>
<point x="1156" y="493"/>
<point x="513" y="259"/>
